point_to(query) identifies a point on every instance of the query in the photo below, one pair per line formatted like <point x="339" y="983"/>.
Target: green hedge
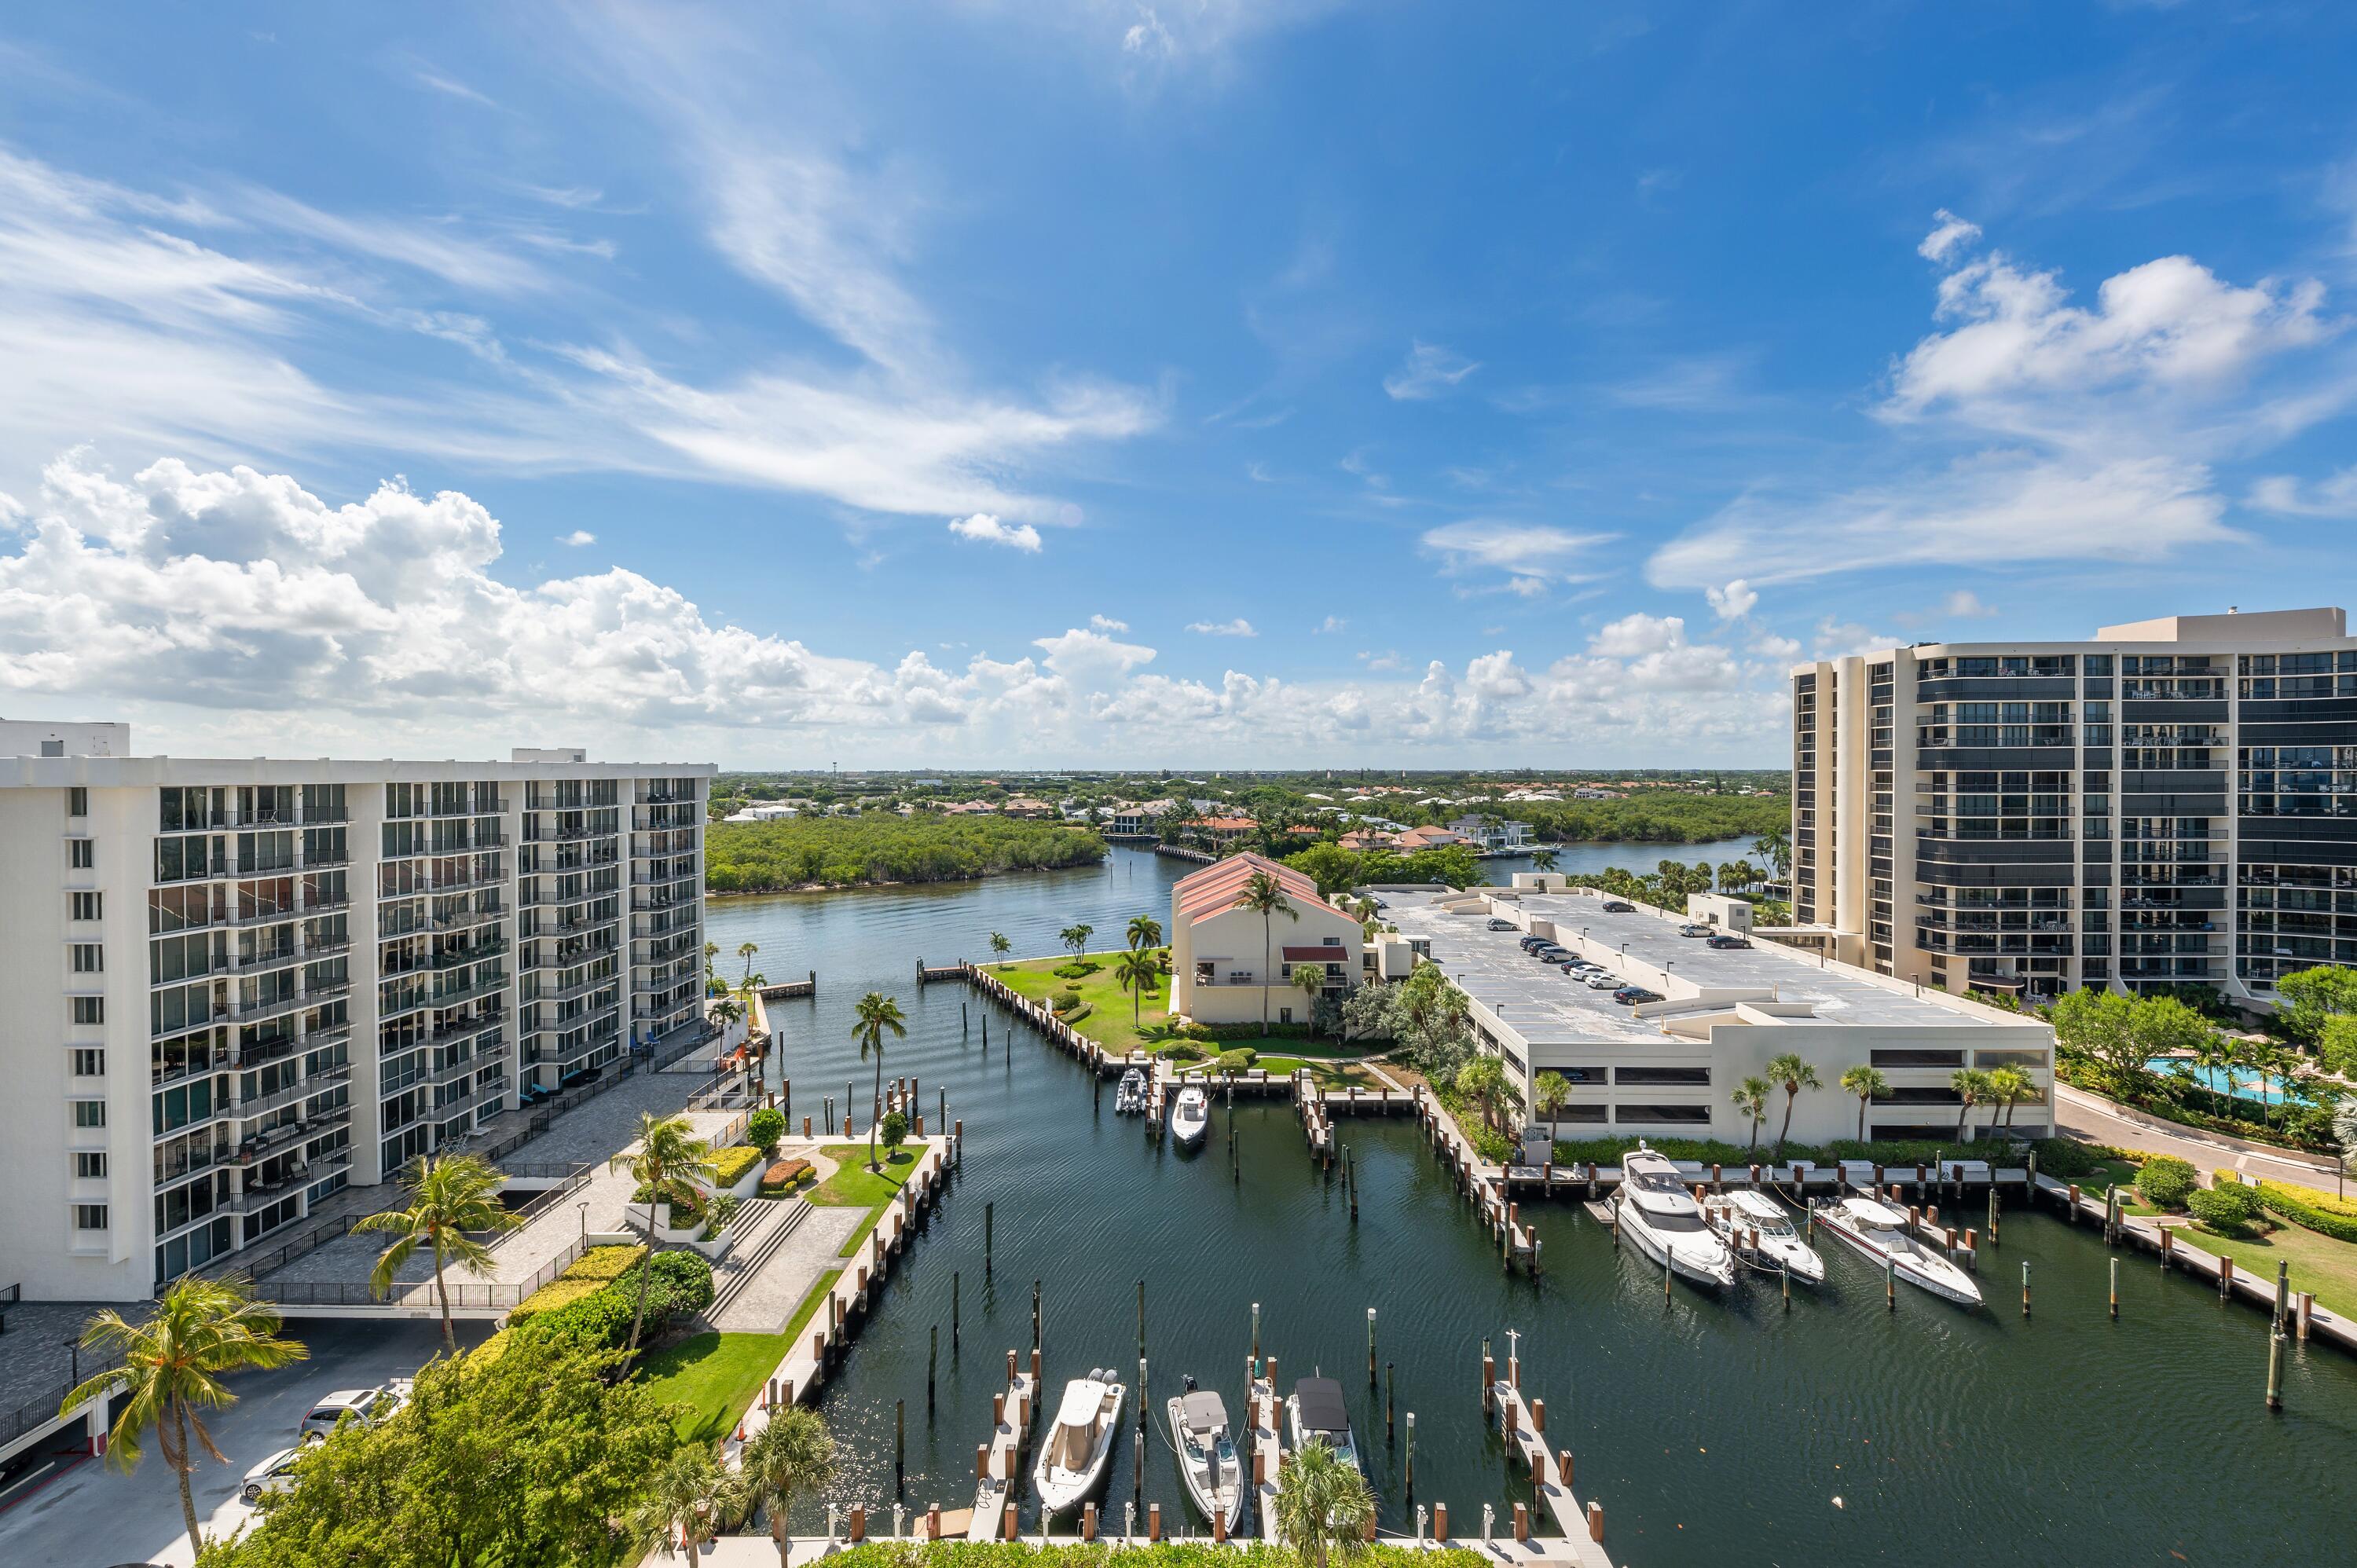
<point x="2228" y="1210"/>
<point x="682" y="1285"/>
<point x="554" y="1297"/>
<point x="606" y="1263"/>
<point x="2318" y="1211"/>
<point x="1170" y="1554"/>
<point x="2164" y="1181"/>
<point x="729" y="1165"/>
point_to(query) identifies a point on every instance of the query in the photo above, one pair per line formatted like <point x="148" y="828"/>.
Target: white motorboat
<point x="1314" y="1412"/>
<point x="1073" y="1460"/>
<point x="1878" y="1231"/>
<point x="1662" y="1220"/>
<point x="1207" y="1455"/>
<point x="1190" y="1116"/>
<point x="1761" y="1233"/>
<point x="1129" y="1098"/>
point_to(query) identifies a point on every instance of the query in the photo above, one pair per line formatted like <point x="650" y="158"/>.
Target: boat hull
<point x="1201" y="1490"/>
<point x="1706" y="1270"/>
<point x="1962" y="1293"/>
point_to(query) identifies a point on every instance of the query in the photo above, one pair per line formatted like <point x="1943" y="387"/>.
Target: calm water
<point x="1713" y="1431"/>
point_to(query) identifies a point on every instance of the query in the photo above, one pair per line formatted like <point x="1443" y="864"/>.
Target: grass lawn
<point x="717" y="1376"/>
<point x="1328" y="1075"/>
<point x="1110" y="1022"/>
<point x="853" y="1186"/>
<point x="2318" y="1263"/>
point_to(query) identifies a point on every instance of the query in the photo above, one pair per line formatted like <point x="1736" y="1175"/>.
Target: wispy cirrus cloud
<point x="1430" y="370"/>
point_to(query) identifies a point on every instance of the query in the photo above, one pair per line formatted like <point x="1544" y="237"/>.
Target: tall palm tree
<point x="1971" y="1085"/>
<point x="690" y="1501"/>
<point x="1264" y="895"/>
<point x="667" y="1159"/>
<point x="452" y="1201"/>
<point x="711" y="980"/>
<point x="1866" y="1082"/>
<point x="793" y="1454"/>
<point x="2008" y="1087"/>
<point x="1145" y="931"/>
<point x="173" y="1363"/>
<point x="1775" y="847"/>
<point x="1796" y="1075"/>
<point x="1000" y="946"/>
<point x="876" y="1014"/>
<point x="1548" y="1092"/>
<point x="1484" y="1079"/>
<point x="1137" y="970"/>
<point x="1310" y="979"/>
<point x="1323" y="1506"/>
<point x="746" y="951"/>
<point x="1544" y="859"/>
<point x="1751" y="1104"/>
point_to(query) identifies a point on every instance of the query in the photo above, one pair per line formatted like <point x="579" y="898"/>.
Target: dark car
<point x="1619" y="906"/>
<point x="1629" y="996"/>
<point x="1730" y="942"/>
<point x="1528" y="943"/>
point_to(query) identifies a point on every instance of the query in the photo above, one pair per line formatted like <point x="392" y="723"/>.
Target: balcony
<point x="465" y="1027"/>
<point x="294" y="1093"/>
<point x="579" y="988"/>
<point x="569" y="835"/>
<point x="455" y="957"/>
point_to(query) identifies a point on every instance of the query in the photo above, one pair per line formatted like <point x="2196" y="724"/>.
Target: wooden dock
<point x="786" y="990"/>
<point x="998" y="1463"/>
<point x="1267" y="1423"/>
<point x="1480" y="1181"/>
<point x="1523" y="1424"/>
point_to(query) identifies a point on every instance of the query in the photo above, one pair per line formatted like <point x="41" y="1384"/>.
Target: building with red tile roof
<point x="1230" y="966"/>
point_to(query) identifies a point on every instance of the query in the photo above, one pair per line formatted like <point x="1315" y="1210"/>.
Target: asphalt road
<point x="2092" y="1117"/>
<point x="94" y="1516"/>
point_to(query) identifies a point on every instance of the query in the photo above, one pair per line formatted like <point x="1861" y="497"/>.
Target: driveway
<point x="94" y="1515"/>
<point x="2092" y="1117"/>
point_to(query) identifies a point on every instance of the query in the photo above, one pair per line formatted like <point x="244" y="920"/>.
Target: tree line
<point x="847" y="852"/>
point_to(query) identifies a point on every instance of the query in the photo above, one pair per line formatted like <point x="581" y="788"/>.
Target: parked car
<point x="1619" y="906"/>
<point x="1693" y="929"/>
<point x="370" y="1407"/>
<point x="1550" y="954"/>
<point x="1629" y="996"/>
<point x="1728" y="939"/>
<point x="1502" y="925"/>
<point x="1527" y="943"/>
<point x="1601" y="981"/>
<point x="275" y="1473"/>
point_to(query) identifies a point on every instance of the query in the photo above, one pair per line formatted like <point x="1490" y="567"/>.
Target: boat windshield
<point x="1660" y="1221"/>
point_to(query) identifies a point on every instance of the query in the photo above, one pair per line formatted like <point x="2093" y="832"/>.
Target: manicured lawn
<point x="2318" y="1263"/>
<point x="1328" y="1075"/>
<point x="1109" y="1023"/>
<point x="853" y="1186"/>
<point x="717" y="1376"/>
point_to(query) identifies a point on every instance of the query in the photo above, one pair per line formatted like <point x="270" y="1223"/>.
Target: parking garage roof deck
<point x="1545" y="1007"/>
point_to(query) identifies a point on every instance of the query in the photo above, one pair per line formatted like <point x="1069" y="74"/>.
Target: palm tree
<point x="1323" y="1506"/>
<point x="452" y="1201"/>
<point x="1137" y="970"/>
<point x="667" y="1160"/>
<point x="691" y="1500"/>
<point x="1001" y="946"/>
<point x="173" y="1363"/>
<point x="1548" y="1091"/>
<point x="746" y="951"/>
<point x="1775" y="847"/>
<point x="1145" y="931"/>
<point x="1310" y="979"/>
<point x="1751" y="1104"/>
<point x="1544" y="859"/>
<point x="2008" y="1087"/>
<point x="1484" y="1079"/>
<point x="793" y="1454"/>
<point x="1796" y="1075"/>
<point x="1971" y="1085"/>
<point x="711" y="981"/>
<point x="1866" y="1082"/>
<point x="1076" y="938"/>
<point x="1264" y="895"/>
<point x="876" y="1013"/>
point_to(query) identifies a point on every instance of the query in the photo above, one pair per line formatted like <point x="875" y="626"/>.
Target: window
<point x="1665" y="1075"/>
<point x="1579" y="1113"/>
<point x="90" y="1164"/>
<point x="89" y="1216"/>
<point x="89" y="958"/>
<point x="80" y="854"/>
<point x="89" y="1113"/>
<point x="1628" y="1113"/>
<point x="86" y="906"/>
<point x="89" y="1009"/>
<point x="89" y="1061"/>
<point x="77" y="802"/>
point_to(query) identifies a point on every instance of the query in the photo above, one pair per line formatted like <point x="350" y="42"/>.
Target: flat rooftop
<point x="1546" y="1006"/>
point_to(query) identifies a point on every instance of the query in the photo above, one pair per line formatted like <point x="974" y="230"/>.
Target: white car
<point x="368" y="1407"/>
<point x="275" y="1473"/>
<point x="1602" y="982"/>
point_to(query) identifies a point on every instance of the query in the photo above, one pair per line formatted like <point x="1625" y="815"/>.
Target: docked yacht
<point x="1207" y="1455"/>
<point x="1878" y="1230"/>
<point x="1314" y="1412"/>
<point x="1129" y="1098"/>
<point x="1662" y="1219"/>
<point x="1073" y="1459"/>
<point x="1190" y="1116"/>
<point x="1759" y="1230"/>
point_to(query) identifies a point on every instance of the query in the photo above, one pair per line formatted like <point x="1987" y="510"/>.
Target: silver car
<point x="275" y="1473"/>
<point x="368" y="1407"/>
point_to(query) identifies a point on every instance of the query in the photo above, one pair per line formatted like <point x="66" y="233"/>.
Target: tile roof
<point x="1213" y="889"/>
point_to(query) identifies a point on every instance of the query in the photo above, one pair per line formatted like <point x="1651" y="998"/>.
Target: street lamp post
<point x="584" y="1207"/>
<point x="73" y="1347"/>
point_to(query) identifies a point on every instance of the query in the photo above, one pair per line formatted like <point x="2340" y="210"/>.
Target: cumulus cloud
<point x="577" y="537"/>
<point x="1429" y="372"/>
<point x="988" y="529"/>
<point x="1237" y="628"/>
<point x="1106" y="623"/>
<point x="1963" y="604"/>
<point x="1329" y="624"/>
<point x="1734" y="601"/>
<point x="1949" y="234"/>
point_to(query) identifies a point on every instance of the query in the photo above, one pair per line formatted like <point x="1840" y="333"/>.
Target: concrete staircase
<point x="762" y="1225"/>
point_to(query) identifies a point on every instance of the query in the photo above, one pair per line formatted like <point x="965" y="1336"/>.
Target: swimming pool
<point x="2243" y="1086"/>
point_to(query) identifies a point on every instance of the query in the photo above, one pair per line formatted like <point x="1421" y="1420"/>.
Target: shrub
<point x="2165" y="1180"/>
<point x="765" y="1129"/>
<point x="729" y="1165"/>
<point x="1181" y="1051"/>
<point x="1065" y="1001"/>
<point x="2065" y="1158"/>
<point x="1237" y="1060"/>
<point x="783" y="1176"/>
<point x="1078" y="970"/>
<point x="606" y="1263"/>
<point x="555" y="1296"/>
<point x="894" y="1130"/>
<point x="2311" y="1211"/>
<point x="2228" y="1210"/>
<point x="1492" y="1146"/>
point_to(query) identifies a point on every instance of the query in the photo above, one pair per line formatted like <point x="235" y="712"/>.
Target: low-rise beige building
<point x="1229" y="965"/>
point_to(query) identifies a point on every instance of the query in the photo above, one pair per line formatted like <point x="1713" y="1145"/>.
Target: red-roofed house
<point x="1225" y="961"/>
<point x="1428" y="837"/>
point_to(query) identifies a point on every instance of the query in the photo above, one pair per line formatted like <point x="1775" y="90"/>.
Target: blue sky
<point x="1191" y="383"/>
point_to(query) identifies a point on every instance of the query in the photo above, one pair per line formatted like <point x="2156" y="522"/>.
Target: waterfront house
<point x="1224" y="958"/>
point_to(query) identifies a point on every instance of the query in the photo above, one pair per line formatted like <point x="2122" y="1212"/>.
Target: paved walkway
<point x="768" y="1301"/>
<point x="2092" y="1117"/>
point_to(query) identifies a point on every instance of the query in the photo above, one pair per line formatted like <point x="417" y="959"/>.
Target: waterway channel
<point x="1713" y="1431"/>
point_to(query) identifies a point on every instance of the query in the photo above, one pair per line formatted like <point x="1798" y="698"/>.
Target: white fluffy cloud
<point x="1734" y="601"/>
<point x="1429" y="372"/>
<point x="988" y="529"/>
<point x="1237" y="628"/>
<point x="577" y="537"/>
<point x="1949" y="233"/>
<point x="1106" y="623"/>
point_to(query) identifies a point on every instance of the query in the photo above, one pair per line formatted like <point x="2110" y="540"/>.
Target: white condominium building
<point x="325" y="968"/>
<point x="2172" y="803"/>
